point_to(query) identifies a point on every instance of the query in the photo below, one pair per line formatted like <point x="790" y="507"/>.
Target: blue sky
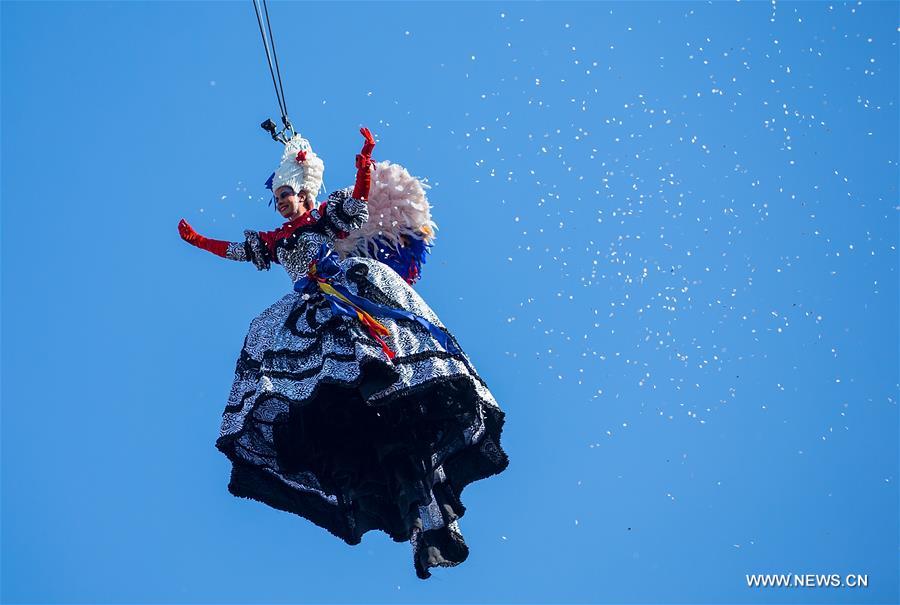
<point x="667" y="240"/>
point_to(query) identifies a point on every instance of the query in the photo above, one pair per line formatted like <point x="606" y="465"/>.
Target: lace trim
<point x="234" y="408"/>
<point x="297" y="376"/>
<point x="256" y="250"/>
<point x="345" y="213"/>
<point x="236" y="251"/>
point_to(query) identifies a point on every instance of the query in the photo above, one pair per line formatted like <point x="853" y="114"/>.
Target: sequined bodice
<point x="296" y="259"/>
<point x="295" y="246"/>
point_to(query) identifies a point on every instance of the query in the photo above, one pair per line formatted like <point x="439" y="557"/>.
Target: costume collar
<point x="309" y="218"/>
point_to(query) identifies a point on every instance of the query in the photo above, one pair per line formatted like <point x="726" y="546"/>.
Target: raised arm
<point x="252" y="249"/>
<point x="346" y="211"/>
<point x="364" y="166"/>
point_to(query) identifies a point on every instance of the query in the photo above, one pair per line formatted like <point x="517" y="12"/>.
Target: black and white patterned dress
<point x="320" y="422"/>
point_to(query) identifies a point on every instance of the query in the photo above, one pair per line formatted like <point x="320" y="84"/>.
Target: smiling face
<point x="292" y="205"/>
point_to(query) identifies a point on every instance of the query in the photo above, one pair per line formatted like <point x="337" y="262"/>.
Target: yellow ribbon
<point x="364" y="316"/>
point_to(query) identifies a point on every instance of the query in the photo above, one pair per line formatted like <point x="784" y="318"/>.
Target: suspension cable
<point x="284" y="119"/>
<point x="279" y="93"/>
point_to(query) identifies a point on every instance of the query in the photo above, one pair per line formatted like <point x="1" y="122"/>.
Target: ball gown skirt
<point x="320" y="422"/>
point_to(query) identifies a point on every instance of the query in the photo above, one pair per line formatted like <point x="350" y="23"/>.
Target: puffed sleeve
<point x="252" y="249"/>
<point x="343" y="212"/>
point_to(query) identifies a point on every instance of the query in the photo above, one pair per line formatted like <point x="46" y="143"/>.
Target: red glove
<point x="363" y="162"/>
<point x="188" y="234"/>
<point x="370" y="142"/>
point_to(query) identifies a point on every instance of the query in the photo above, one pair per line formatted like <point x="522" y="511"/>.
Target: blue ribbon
<point x="328" y="268"/>
<point x="269" y="187"/>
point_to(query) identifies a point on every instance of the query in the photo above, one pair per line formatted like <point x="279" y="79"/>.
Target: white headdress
<point x="300" y="168"/>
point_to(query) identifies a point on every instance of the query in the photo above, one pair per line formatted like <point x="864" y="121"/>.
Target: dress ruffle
<point x="320" y="423"/>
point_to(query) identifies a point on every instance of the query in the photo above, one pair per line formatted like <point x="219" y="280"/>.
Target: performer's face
<point x="291" y="205"/>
